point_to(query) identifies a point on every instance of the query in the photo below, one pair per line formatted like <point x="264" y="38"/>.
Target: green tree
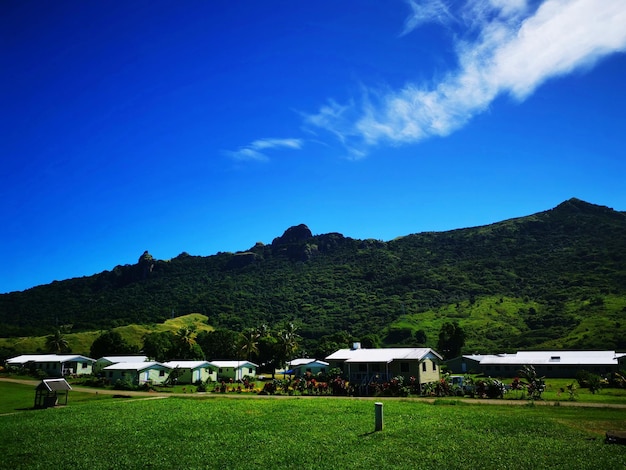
<point x="160" y="346"/>
<point x="218" y="344"/>
<point x="451" y="340"/>
<point x="57" y="342"/>
<point x="248" y="343"/>
<point x="420" y="338"/>
<point x="111" y="343"/>
<point x="185" y="346"/>
<point x="371" y="341"/>
<point x="287" y="343"/>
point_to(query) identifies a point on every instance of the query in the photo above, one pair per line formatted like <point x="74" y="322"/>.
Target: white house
<point x="300" y="367"/>
<point x="366" y="365"/>
<point x="137" y="373"/>
<point x="108" y="360"/>
<point x="190" y="372"/>
<point x="235" y="370"/>
<point x="55" y="365"/>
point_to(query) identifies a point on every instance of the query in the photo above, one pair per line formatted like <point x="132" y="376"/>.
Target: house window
<point x="434" y="366"/>
<point x="423" y="367"/>
<point x="84" y="365"/>
<point x="250" y="370"/>
<point x="404" y="367"/>
<point x="161" y="373"/>
<point x="220" y="370"/>
<point x="110" y="373"/>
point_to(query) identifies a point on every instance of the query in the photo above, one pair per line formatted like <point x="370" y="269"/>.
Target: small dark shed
<point x="48" y="392"/>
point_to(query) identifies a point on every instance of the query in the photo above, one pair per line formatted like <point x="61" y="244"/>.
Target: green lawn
<point x="306" y="433"/>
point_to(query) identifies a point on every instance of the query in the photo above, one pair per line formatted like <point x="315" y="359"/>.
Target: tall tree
<point x="57" y="342"/>
<point x="248" y="343"/>
<point x="158" y="346"/>
<point x="218" y="344"/>
<point x="451" y="340"/>
<point x="111" y="343"/>
<point x="185" y="344"/>
<point x="287" y="343"/>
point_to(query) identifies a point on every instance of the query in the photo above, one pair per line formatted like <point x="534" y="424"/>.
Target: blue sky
<point x="208" y="126"/>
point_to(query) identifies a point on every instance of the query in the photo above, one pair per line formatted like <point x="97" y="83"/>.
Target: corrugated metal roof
<point x="116" y="359"/>
<point x="136" y="366"/>
<point x="552" y="358"/>
<point x="381" y="355"/>
<point x="234" y="364"/>
<point x="305" y="361"/>
<point x="23" y="359"/>
<point x="186" y="364"/>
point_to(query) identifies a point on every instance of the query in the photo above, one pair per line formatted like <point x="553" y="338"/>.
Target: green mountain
<point x="552" y="279"/>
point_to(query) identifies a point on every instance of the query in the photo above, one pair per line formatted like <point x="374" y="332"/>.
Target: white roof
<point x="137" y="366"/>
<point x="234" y="364"/>
<point x="23" y="359"/>
<point x="552" y="358"/>
<point x="305" y="361"/>
<point x="381" y="355"/>
<point x="116" y="359"/>
<point x="186" y="364"/>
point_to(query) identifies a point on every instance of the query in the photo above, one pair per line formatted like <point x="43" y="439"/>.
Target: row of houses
<point x="136" y="369"/>
<point x="359" y="365"/>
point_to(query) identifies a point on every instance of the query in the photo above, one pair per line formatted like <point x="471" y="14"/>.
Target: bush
<point x="588" y="380"/>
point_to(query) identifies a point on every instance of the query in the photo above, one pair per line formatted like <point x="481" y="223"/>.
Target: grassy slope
<point x="308" y="433"/>
<point x="80" y="343"/>
<point x="489" y="321"/>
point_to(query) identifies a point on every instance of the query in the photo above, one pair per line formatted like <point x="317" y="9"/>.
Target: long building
<point x="564" y="364"/>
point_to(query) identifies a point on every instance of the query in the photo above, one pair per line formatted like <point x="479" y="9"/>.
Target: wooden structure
<point x="48" y="392"/>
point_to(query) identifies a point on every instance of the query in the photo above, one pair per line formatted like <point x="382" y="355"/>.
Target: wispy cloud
<point x="507" y="47"/>
<point x="257" y="150"/>
<point x="426" y="11"/>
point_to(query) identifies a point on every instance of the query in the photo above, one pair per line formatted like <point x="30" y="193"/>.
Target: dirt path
<point x="473" y="401"/>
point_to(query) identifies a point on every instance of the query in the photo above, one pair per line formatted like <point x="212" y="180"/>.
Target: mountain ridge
<point x="557" y="260"/>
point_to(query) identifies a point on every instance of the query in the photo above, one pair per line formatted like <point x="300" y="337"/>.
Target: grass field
<point x="303" y="433"/>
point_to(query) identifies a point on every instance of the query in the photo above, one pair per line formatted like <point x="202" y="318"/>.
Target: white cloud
<point x="252" y="151"/>
<point x="426" y="11"/>
<point x="513" y="49"/>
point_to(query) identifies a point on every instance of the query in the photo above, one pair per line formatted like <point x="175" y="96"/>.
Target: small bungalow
<point x="191" y="372"/>
<point x="235" y="370"/>
<point x="138" y="373"/>
<point x="304" y="366"/>
<point x="54" y="365"/>
<point x="48" y="392"/>
<point x="108" y="360"/>
<point x="554" y="364"/>
<point x="364" y="366"/>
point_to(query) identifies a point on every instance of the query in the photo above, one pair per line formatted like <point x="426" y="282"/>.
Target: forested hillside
<point x="552" y="279"/>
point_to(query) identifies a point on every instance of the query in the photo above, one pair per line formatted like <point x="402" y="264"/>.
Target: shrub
<point x="534" y="384"/>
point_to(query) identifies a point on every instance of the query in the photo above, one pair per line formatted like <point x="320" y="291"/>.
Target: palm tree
<point x="287" y="342"/>
<point x="57" y="342"/>
<point x="249" y="343"/>
<point x="186" y="338"/>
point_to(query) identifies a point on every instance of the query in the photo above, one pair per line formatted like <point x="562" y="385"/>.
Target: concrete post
<point x="378" y="415"/>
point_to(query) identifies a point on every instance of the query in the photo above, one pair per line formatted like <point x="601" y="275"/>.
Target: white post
<point x="378" y="414"/>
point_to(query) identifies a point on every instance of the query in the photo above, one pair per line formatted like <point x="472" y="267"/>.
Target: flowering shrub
<point x="534" y="384"/>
